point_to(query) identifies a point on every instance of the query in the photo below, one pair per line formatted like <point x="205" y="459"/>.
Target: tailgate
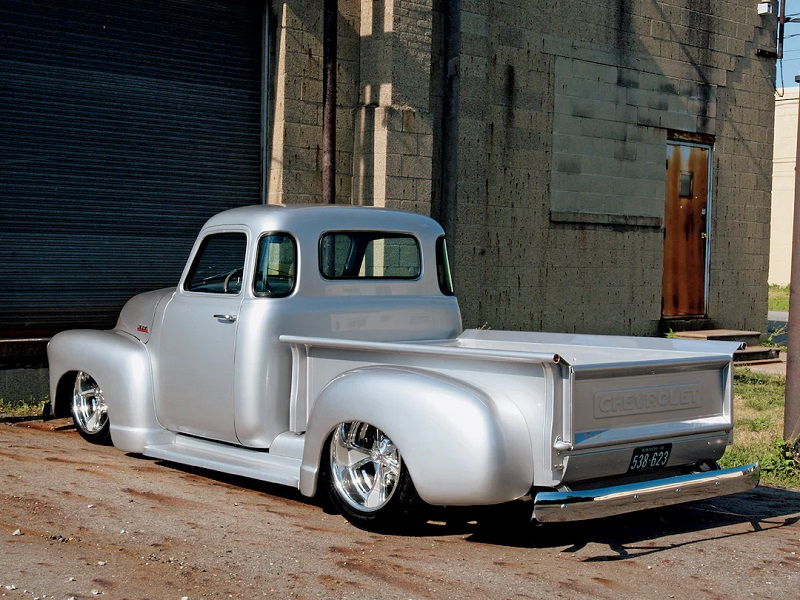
<point x="622" y="403"/>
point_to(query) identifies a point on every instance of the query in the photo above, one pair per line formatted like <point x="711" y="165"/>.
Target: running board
<point x="235" y="460"/>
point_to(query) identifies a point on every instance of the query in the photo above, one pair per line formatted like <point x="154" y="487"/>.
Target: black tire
<point x="89" y="411"/>
<point x="401" y="512"/>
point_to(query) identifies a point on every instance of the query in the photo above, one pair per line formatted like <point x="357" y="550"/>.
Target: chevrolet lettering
<point x="646" y="400"/>
<point x="321" y="347"/>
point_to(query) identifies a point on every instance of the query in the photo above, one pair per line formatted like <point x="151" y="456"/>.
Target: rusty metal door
<point x="686" y="230"/>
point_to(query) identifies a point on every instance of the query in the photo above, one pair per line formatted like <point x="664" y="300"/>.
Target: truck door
<point x="195" y="358"/>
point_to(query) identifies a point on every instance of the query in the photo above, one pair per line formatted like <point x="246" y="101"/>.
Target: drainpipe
<point x="330" y="13"/>
<point x="791" y="414"/>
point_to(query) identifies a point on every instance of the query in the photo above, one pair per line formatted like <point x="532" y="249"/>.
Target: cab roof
<point x="314" y="218"/>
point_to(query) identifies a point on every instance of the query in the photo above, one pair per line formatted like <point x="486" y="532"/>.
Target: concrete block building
<point x="599" y="167"/>
<point x="538" y="134"/>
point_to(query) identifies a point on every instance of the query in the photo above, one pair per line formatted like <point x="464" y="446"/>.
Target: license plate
<point x="649" y="458"/>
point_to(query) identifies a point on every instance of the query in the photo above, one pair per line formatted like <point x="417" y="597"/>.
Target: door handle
<point x="704" y="236"/>
<point x="226" y="318"/>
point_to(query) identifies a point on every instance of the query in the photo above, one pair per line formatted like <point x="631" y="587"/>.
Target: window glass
<point x="443" y="268"/>
<point x="218" y="265"/>
<point x="276" y="267"/>
<point x="369" y="255"/>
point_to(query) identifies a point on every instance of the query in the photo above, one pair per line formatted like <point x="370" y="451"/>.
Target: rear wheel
<point x="367" y="479"/>
<point x="89" y="410"/>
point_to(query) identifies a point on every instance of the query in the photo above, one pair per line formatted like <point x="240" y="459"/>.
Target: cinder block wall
<point x="295" y="130"/>
<point x="537" y="135"/>
<point x="564" y="114"/>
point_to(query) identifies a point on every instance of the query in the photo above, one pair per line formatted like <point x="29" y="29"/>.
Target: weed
<point x="21" y="408"/>
<point x="770" y="341"/>
<point x="779" y="461"/>
<point x="759" y="423"/>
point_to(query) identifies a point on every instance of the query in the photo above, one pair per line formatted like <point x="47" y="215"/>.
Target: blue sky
<point x="791" y="48"/>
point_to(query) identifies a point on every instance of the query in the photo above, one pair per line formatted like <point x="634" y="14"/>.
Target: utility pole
<point x="330" y="13"/>
<point x="791" y="414"/>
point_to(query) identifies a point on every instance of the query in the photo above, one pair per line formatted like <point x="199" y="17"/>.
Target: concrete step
<point x="751" y="338"/>
<point x="760" y="354"/>
<point x="678" y="324"/>
<point x="756" y="363"/>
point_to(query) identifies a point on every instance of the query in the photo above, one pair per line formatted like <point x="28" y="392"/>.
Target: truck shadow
<point x="627" y="536"/>
<point x="649" y="532"/>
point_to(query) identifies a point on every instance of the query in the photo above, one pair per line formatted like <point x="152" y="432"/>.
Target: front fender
<point x="121" y="366"/>
<point x="461" y="447"/>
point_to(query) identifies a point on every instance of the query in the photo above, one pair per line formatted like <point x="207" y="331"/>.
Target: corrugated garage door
<point x="124" y="125"/>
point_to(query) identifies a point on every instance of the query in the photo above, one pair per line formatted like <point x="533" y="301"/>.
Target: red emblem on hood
<point x="143" y="329"/>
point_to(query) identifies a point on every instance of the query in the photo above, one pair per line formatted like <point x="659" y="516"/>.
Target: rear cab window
<point x="369" y="255"/>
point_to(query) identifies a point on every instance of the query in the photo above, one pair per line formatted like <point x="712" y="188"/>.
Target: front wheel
<point x="368" y="481"/>
<point x="89" y="410"/>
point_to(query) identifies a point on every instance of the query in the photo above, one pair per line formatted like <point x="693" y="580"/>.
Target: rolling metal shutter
<point x="124" y="125"/>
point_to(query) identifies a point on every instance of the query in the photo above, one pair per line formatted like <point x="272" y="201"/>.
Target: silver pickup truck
<point x="321" y="347"/>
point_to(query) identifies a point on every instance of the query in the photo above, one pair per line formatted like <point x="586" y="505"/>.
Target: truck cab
<point x="256" y="273"/>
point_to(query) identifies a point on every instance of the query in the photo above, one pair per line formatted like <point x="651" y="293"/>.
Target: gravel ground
<point x="94" y="522"/>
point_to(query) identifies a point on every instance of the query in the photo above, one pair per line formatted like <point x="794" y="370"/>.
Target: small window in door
<point x="218" y="265"/>
<point x="276" y="267"/>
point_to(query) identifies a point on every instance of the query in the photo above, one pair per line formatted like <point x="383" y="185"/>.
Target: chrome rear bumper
<point x="604" y="502"/>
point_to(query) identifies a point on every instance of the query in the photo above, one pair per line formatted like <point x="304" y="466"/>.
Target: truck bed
<point x="588" y="400"/>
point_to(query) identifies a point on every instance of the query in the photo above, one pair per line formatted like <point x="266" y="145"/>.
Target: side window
<point x="276" y="268"/>
<point x="218" y="265"/>
<point x="369" y="255"/>
<point x="443" y="268"/>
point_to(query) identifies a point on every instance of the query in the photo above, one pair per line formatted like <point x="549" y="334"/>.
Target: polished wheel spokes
<point x="88" y="405"/>
<point x="365" y="465"/>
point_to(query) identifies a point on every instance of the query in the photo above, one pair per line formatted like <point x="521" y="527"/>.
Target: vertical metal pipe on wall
<point x="791" y="416"/>
<point x="265" y="107"/>
<point x="330" y="13"/>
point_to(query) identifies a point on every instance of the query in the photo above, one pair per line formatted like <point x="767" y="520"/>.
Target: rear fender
<point x="121" y="366"/>
<point x="460" y="446"/>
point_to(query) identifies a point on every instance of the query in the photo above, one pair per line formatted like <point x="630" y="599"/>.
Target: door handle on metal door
<point x="226" y="318"/>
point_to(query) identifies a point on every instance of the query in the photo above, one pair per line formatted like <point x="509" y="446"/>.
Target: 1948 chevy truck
<point x="322" y="346"/>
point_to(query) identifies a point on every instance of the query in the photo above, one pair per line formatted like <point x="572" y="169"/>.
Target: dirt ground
<point x="95" y="522"/>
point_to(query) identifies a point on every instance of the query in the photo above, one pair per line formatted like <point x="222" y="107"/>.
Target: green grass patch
<point x="778" y="297"/>
<point x="22" y="408"/>
<point x="758" y="427"/>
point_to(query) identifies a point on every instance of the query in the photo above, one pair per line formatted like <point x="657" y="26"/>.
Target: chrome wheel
<point x="365" y="466"/>
<point x="89" y="410"/>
